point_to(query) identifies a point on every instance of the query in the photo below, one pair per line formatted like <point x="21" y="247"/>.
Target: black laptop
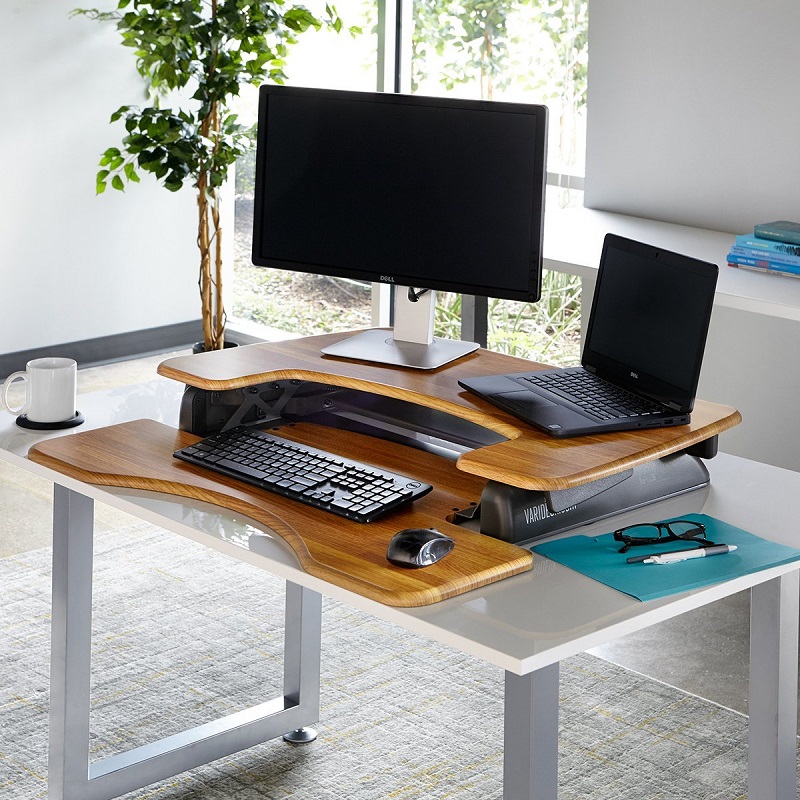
<point x="642" y="354"/>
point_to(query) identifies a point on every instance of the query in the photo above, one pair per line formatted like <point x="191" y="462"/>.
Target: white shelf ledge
<point x="573" y="240"/>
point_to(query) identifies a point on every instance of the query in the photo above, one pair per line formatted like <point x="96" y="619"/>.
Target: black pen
<point x="683" y="555"/>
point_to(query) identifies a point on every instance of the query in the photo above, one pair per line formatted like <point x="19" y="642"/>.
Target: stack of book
<point x="772" y="247"/>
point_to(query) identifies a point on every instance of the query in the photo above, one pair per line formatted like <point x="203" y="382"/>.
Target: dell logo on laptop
<point x="635" y="375"/>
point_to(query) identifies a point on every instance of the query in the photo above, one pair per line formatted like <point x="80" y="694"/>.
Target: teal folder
<point x="598" y="557"/>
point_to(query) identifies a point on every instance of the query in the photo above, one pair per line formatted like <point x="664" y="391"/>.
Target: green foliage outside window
<point x="547" y="331"/>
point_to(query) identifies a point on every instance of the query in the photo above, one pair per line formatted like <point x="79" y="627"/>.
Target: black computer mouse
<point x="418" y="547"/>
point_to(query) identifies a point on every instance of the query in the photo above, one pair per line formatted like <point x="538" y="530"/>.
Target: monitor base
<point x="379" y="345"/>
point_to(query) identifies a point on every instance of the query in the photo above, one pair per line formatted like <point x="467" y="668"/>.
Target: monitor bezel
<point x="530" y="293"/>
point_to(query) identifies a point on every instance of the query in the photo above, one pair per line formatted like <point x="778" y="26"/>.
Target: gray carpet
<point x="183" y="635"/>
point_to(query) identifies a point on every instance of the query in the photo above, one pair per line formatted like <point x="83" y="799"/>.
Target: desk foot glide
<point x="300" y="736"/>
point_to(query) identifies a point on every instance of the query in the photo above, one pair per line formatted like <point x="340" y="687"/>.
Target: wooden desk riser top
<point x="138" y="455"/>
<point x="529" y="459"/>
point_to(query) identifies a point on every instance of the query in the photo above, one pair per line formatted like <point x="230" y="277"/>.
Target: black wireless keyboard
<point x="349" y="488"/>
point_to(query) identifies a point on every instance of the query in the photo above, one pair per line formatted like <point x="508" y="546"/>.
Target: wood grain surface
<point x="138" y="455"/>
<point x="529" y="459"/>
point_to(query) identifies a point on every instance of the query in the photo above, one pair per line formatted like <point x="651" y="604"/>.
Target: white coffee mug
<point x="50" y="390"/>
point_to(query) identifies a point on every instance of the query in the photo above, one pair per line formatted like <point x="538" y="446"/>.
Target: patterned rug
<point x="183" y="635"/>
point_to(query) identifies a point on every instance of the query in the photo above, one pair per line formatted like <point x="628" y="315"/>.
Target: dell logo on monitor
<point x="387" y="278"/>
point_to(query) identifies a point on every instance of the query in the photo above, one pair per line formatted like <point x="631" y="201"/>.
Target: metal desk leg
<point x="70" y="653"/>
<point x="774" y="622"/>
<point x="71" y="776"/>
<point x="301" y="656"/>
<point x="530" y="765"/>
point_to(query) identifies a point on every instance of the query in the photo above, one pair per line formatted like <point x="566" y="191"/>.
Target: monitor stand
<point x="410" y="343"/>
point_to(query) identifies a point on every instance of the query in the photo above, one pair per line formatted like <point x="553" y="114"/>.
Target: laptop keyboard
<point x="596" y="397"/>
<point x="342" y="486"/>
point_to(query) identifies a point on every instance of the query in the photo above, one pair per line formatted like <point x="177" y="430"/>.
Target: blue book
<point x="764" y="264"/>
<point x="766" y="245"/>
<point x="765" y="255"/>
<point x="782" y="230"/>
<point x="598" y="557"/>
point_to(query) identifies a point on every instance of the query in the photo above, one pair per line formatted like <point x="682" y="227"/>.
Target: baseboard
<point x="110" y="348"/>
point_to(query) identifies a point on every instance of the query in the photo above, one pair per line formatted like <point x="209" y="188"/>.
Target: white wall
<point x="749" y="364"/>
<point x="693" y="112"/>
<point x="74" y="265"/>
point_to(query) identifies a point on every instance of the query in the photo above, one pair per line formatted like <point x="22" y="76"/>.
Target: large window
<point x="531" y="51"/>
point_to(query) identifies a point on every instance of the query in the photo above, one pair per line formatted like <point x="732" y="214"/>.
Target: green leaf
<point x="100" y="187"/>
<point x="130" y="172"/>
<point x="137" y="142"/>
<point x="173" y="182"/>
<point x="117" y="183"/>
<point x="108" y="156"/>
<point x="148" y="161"/>
<point x="300" y="19"/>
<point x="157" y="128"/>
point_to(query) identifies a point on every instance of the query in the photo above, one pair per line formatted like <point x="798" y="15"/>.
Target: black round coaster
<point x="31" y="425"/>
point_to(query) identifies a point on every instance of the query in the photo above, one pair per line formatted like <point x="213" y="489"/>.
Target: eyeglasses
<point x="659" y="532"/>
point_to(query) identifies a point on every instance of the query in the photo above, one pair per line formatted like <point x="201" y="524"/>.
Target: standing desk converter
<point x="486" y="599"/>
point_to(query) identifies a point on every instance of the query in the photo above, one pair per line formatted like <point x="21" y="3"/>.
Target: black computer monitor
<point x="424" y="193"/>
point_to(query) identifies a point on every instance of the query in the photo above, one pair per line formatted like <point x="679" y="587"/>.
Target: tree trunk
<point x="209" y="233"/>
<point x="209" y="237"/>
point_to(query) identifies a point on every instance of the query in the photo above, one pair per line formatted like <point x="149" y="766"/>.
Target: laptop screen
<point x="649" y="320"/>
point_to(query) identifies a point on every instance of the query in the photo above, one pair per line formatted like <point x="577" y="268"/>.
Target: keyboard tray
<point x="138" y="455"/>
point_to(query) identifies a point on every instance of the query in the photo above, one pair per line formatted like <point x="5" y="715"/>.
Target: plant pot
<point x="200" y="347"/>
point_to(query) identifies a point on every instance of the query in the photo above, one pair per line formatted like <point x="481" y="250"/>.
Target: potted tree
<point x="210" y="48"/>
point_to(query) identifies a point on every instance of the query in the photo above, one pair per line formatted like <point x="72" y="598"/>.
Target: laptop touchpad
<point x="524" y="402"/>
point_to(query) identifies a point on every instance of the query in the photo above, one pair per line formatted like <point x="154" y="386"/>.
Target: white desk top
<point x="519" y="624"/>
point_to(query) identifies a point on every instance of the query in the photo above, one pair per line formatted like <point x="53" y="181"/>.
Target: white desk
<point x="524" y="625"/>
